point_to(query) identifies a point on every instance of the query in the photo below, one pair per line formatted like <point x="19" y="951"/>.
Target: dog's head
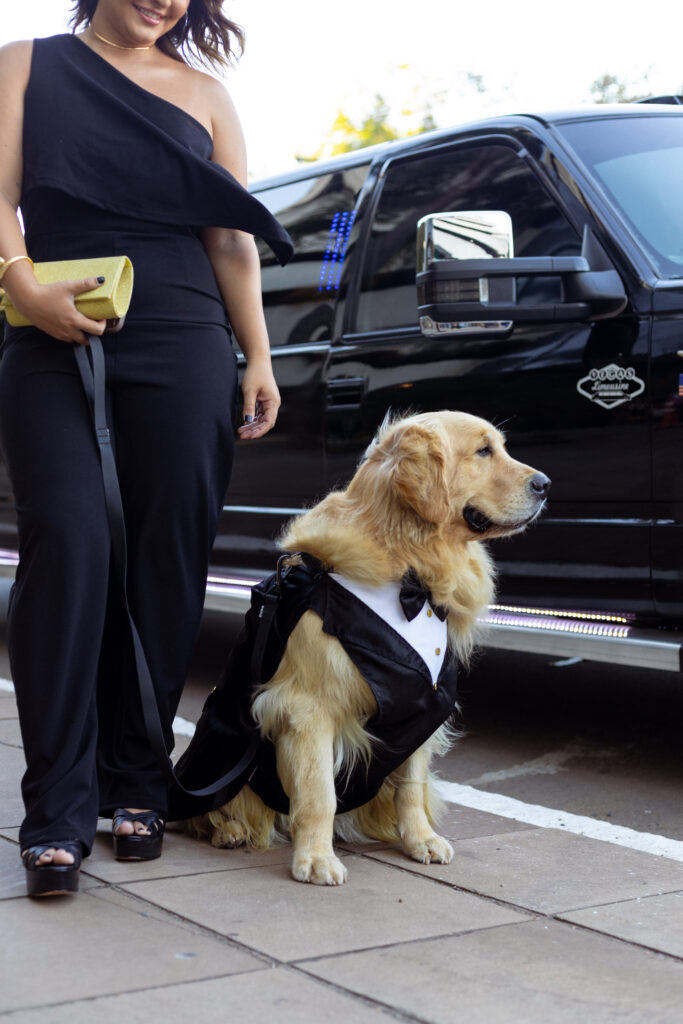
<point x="452" y="469"/>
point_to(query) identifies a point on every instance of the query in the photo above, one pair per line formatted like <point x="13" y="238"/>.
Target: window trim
<point x="316" y="169"/>
<point x="350" y="325"/>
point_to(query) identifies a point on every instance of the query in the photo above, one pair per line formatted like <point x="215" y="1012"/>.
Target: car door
<point x="540" y="382"/>
<point x="636" y="161"/>
<point x="667" y="445"/>
<point x="281" y="473"/>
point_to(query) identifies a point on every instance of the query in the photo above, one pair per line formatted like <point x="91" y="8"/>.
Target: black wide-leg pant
<point x="171" y="396"/>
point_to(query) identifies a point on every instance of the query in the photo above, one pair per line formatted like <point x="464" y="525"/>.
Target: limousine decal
<point x="611" y="385"/>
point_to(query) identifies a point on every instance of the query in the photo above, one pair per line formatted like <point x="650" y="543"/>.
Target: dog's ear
<point x="419" y="471"/>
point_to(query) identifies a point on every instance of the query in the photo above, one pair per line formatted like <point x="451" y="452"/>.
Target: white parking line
<point x="517" y="810"/>
<point x="547" y="817"/>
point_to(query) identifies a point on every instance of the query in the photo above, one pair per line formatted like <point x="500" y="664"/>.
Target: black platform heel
<point x="52" y="879"/>
<point x="135" y="847"/>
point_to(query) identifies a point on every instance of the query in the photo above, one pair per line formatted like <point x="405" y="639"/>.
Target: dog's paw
<point x="320" y="869"/>
<point x="429" y="850"/>
<point x="228" y="835"/>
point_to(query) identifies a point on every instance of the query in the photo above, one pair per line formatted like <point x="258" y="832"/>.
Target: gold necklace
<point x="118" y="45"/>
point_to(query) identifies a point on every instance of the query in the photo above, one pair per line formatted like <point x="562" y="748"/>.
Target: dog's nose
<point x="540" y="484"/>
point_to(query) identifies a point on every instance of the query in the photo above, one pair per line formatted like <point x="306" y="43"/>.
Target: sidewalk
<point x="526" y="925"/>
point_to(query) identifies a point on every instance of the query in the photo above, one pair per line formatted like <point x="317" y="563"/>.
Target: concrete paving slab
<point x="12" y="767"/>
<point x="467" y="822"/>
<point x="457" y="823"/>
<point x="13" y="876"/>
<point x="267" y="996"/>
<point x="532" y="973"/>
<point x="110" y="894"/>
<point x="181" y="856"/>
<point x="264" y="908"/>
<point x="67" y="949"/>
<point x="10" y="733"/>
<point x="180" y="746"/>
<point x="656" y="921"/>
<point x="8" y="705"/>
<point x="548" y="870"/>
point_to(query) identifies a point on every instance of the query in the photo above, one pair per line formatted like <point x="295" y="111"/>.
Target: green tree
<point x="610" y="89"/>
<point x="375" y="127"/>
<point x="345" y="135"/>
<point x="413" y="114"/>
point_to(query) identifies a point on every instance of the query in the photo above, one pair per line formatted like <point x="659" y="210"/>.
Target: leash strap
<point x="269" y="602"/>
<point x="93" y="378"/>
<point x="265" y="620"/>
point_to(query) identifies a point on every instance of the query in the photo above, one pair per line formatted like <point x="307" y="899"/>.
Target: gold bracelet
<point x="6" y="264"/>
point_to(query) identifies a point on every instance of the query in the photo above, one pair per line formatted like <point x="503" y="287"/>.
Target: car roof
<point x="368" y="154"/>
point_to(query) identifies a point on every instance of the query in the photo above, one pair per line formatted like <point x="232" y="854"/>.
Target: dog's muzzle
<point x="479" y="522"/>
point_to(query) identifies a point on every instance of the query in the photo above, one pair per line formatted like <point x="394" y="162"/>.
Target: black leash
<point x="93" y="378"/>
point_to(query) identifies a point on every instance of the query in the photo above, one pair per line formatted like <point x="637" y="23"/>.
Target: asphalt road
<point x="589" y="739"/>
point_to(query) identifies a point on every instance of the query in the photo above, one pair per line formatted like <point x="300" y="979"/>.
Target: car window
<point x="478" y="177"/>
<point x="318" y="212"/>
<point x="639" y="162"/>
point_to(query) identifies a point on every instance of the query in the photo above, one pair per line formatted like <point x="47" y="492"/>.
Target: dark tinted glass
<point x="483" y="177"/>
<point x="318" y="213"/>
<point x="639" y="163"/>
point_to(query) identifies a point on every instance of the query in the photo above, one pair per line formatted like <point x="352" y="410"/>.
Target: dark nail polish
<point x="248" y="419"/>
<point x="100" y="280"/>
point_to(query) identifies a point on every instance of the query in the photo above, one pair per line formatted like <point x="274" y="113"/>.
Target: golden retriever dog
<point x="429" y="489"/>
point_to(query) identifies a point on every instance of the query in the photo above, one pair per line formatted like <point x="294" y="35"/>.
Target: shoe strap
<point x="33" y="853"/>
<point x="150" y="819"/>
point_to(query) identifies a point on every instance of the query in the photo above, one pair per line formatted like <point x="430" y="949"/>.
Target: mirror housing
<point x="461" y="293"/>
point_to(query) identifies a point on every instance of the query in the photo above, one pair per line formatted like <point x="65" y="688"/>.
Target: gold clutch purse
<point x="109" y="301"/>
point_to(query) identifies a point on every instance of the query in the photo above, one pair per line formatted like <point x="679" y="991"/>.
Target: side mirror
<point x="467" y="277"/>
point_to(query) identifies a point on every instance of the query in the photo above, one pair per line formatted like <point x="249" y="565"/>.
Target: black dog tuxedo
<point x="395" y="637"/>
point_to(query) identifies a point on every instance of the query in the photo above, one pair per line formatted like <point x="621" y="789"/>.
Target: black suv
<point x="528" y="269"/>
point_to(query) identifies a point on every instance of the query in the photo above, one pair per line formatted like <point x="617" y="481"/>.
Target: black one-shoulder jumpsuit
<point x="112" y="169"/>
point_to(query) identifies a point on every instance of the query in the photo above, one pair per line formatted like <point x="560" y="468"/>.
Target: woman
<point x="112" y="144"/>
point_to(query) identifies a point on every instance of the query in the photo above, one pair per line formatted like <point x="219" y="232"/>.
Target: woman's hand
<point x="261" y="400"/>
<point x="52" y="307"/>
<point x="236" y="264"/>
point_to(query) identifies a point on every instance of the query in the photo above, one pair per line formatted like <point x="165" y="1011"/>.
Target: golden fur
<point x="403" y="508"/>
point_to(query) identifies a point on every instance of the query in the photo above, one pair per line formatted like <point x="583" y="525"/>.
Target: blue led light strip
<point x="335" y="251"/>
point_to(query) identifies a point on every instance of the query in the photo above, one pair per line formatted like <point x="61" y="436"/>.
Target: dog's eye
<point x="486" y="450"/>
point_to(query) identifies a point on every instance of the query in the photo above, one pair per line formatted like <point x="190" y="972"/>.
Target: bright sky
<point x="307" y="59"/>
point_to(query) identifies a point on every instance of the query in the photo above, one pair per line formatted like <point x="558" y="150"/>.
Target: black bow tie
<point x="413" y="595"/>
